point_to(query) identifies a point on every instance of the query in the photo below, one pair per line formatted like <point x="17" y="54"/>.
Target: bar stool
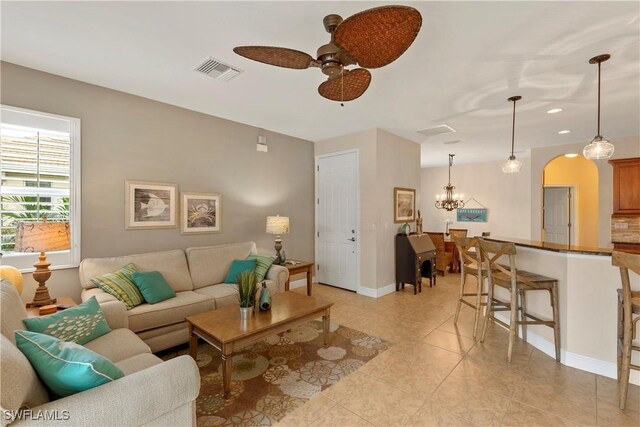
<point x="518" y="283"/>
<point x="628" y="305"/>
<point x="470" y="264"/>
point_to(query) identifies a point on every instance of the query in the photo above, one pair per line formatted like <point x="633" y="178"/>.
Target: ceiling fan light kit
<point x="369" y="39"/>
<point x="599" y="147"/>
<point x="512" y="165"/>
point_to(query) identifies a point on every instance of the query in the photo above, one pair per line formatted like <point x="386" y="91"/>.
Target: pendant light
<point x="449" y="200"/>
<point x="512" y="165"/>
<point x="599" y="148"/>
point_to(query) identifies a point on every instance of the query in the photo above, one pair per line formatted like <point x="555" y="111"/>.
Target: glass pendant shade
<point x="597" y="149"/>
<point x="512" y="165"/>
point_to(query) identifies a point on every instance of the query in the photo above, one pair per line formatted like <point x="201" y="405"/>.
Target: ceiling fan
<point x="372" y="38"/>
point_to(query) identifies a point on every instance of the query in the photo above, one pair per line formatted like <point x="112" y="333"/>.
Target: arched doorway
<point x="570" y="201"/>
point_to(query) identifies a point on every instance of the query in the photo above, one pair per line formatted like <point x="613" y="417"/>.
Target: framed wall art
<point x="404" y="204"/>
<point x="150" y="205"/>
<point x="200" y="213"/>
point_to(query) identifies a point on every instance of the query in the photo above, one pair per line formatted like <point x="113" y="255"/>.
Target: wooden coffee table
<point x="224" y="329"/>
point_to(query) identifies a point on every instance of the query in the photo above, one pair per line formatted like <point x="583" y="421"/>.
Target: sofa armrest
<point x="115" y="313"/>
<point x="279" y="275"/>
<point x="134" y="400"/>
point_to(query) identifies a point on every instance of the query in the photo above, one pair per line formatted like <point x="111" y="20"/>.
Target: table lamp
<point x="42" y="236"/>
<point x="278" y="225"/>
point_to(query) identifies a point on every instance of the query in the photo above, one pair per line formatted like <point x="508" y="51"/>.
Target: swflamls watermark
<point x="39" y="415"/>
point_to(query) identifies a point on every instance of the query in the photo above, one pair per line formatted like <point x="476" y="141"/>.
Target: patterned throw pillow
<point x="79" y="324"/>
<point x="120" y="285"/>
<point x="263" y="264"/>
<point x="65" y="368"/>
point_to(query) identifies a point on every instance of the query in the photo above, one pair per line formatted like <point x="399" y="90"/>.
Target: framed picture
<point x="200" y="213"/>
<point x="150" y="205"/>
<point x="404" y="204"/>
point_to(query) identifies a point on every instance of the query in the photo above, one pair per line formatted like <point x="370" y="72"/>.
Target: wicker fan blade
<point x="378" y="36"/>
<point x="346" y="87"/>
<point x="278" y="56"/>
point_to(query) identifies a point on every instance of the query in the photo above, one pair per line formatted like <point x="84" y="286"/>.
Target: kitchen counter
<point x="554" y="247"/>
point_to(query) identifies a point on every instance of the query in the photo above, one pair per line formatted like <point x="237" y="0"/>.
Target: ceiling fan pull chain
<point x="342" y="85"/>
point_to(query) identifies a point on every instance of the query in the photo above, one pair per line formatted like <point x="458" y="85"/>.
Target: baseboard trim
<point x="300" y="283"/>
<point x="575" y="360"/>
<point x="377" y="293"/>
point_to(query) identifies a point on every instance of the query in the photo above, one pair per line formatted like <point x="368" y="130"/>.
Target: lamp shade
<point x="512" y="165"/>
<point x="278" y="224"/>
<point x="42" y="236"/>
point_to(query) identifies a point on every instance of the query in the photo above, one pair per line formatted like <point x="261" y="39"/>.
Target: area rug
<point x="273" y="377"/>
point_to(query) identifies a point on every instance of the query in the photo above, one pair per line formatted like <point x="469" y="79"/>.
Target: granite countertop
<point x="554" y="247"/>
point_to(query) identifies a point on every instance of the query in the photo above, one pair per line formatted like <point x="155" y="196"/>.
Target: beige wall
<point x="624" y="147"/>
<point x="385" y="161"/>
<point x="506" y="196"/>
<point x="129" y="137"/>
<point x="398" y="165"/>
<point x="582" y="174"/>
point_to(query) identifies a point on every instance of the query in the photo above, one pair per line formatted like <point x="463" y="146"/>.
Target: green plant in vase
<point x="247" y="289"/>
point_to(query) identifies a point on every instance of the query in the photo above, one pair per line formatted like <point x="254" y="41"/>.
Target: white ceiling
<point x="467" y="60"/>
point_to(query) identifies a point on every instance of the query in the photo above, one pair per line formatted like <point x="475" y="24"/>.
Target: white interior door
<point x="336" y="220"/>
<point x="557" y="215"/>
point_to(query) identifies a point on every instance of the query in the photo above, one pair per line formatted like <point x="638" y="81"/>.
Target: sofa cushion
<point x="12" y="310"/>
<point x="152" y="286"/>
<point x="118" y="345"/>
<point x="209" y="264"/>
<point x="168" y="312"/>
<point x="65" y="367"/>
<point x="120" y="285"/>
<point x="79" y="324"/>
<point x="224" y="294"/>
<point x="138" y="363"/>
<point x="172" y="265"/>
<point x="100" y="295"/>
<point x="20" y="384"/>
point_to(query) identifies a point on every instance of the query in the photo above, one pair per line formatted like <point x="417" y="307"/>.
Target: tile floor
<point x="436" y="375"/>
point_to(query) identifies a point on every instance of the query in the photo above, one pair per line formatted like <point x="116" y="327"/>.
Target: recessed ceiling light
<point x="554" y="110"/>
<point x="571" y="155"/>
<point x="562" y="132"/>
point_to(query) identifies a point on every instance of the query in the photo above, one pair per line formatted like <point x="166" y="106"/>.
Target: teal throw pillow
<point x="120" y="285"/>
<point x="153" y="287"/>
<point x="65" y="368"/>
<point x="237" y="267"/>
<point x="263" y="264"/>
<point x="79" y="324"/>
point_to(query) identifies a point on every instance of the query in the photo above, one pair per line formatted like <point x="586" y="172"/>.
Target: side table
<point x="33" y="311"/>
<point x="300" y="267"/>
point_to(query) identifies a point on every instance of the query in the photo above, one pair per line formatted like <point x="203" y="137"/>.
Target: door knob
<point x="353" y="239"/>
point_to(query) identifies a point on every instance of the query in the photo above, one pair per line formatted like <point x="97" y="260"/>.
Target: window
<point x="39" y="176"/>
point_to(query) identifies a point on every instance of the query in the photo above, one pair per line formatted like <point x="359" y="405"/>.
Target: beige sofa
<point x="152" y="392"/>
<point x="195" y="274"/>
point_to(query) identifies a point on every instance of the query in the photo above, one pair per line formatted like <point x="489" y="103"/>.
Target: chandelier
<point x="449" y="200"/>
<point x="599" y="148"/>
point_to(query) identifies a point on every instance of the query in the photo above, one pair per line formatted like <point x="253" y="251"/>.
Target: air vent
<point x="451" y="142"/>
<point x="437" y="130"/>
<point x="218" y="70"/>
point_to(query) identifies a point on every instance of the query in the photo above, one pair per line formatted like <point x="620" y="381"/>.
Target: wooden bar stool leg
<point x="623" y="378"/>
<point x="513" y="325"/>
<point x="462" y="280"/>
<point x="556" y="319"/>
<point x="489" y="311"/>
<point x="620" y="334"/>
<point x="523" y="314"/>
<point x="479" y="286"/>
